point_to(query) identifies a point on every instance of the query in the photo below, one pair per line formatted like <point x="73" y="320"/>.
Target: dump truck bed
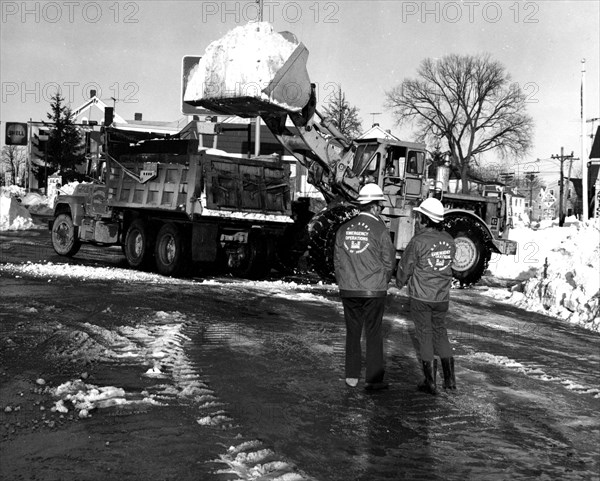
<point x="201" y="185"/>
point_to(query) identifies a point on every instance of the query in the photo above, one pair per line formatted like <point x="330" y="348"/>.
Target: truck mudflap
<point x="505" y="246"/>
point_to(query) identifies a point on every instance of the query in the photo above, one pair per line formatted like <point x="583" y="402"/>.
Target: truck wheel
<point x="170" y="250"/>
<point x="138" y="245"/>
<point x="321" y="231"/>
<point x="256" y="261"/>
<point x="65" y="238"/>
<point x="472" y="257"/>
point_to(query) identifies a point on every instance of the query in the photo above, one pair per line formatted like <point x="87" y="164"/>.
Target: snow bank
<point x="17" y="206"/>
<point x="242" y="64"/>
<point x="13" y="216"/>
<point x="558" y="269"/>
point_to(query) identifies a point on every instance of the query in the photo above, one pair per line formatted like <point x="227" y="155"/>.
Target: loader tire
<point x="170" y="251"/>
<point x="139" y="245"/>
<point x="472" y="255"/>
<point x="65" y="236"/>
<point x="321" y="231"/>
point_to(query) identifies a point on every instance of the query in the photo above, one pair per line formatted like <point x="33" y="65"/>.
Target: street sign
<point x="16" y="133"/>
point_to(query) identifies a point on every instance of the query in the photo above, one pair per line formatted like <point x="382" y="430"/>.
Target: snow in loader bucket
<point x="251" y="71"/>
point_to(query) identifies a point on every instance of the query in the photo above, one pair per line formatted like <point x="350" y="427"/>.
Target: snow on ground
<point x="13" y="216"/>
<point x="556" y="270"/>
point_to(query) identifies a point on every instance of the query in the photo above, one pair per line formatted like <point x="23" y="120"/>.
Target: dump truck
<point x="170" y="205"/>
<point x="254" y="71"/>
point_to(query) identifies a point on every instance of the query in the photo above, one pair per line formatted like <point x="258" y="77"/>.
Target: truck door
<point x="96" y="201"/>
<point x="413" y="177"/>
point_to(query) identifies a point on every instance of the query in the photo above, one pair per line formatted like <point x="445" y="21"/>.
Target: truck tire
<point x="321" y="231"/>
<point x="65" y="236"/>
<point x="472" y="255"/>
<point x="257" y="258"/>
<point x="170" y="251"/>
<point x="139" y="245"/>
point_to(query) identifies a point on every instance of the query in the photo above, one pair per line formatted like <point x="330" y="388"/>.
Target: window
<point x="362" y="157"/>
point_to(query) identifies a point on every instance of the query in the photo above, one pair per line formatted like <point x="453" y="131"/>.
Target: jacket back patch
<point x="440" y="256"/>
<point x="356" y="238"/>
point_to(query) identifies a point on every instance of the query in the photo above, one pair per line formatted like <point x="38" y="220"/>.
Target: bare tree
<point x="14" y="163"/>
<point x="343" y="116"/>
<point x="468" y="102"/>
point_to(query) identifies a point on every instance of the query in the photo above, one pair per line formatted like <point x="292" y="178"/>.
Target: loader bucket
<point x="291" y="85"/>
<point x="287" y="92"/>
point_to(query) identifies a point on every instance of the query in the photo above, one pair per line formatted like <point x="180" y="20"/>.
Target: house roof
<point x="95" y="102"/>
<point x="376" y="132"/>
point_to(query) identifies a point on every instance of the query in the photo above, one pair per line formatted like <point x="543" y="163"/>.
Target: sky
<point x="132" y="51"/>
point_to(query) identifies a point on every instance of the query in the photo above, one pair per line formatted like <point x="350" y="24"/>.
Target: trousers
<point x="367" y="312"/>
<point x="430" y="329"/>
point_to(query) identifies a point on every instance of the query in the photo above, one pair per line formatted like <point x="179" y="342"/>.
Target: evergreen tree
<point x="342" y="115"/>
<point x="64" y="149"/>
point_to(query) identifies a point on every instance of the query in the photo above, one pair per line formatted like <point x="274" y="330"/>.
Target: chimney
<point x="375" y="125"/>
<point x="92" y="94"/>
<point x="137" y="116"/>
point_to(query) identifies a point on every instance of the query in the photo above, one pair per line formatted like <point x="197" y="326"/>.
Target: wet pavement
<point x="270" y="359"/>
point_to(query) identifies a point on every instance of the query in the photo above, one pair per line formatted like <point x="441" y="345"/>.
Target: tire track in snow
<point x="158" y="344"/>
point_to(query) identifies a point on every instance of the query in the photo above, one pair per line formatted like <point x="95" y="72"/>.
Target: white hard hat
<point x="432" y="208"/>
<point x="370" y="193"/>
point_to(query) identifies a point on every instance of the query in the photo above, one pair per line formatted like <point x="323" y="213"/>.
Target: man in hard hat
<point x="426" y="266"/>
<point x="364" y="260"/>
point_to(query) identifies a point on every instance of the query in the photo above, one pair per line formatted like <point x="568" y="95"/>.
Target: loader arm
<point x="326" y="153"/>
<point x="314" y="141"/>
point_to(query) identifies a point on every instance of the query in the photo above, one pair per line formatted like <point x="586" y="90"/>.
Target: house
<point x="593" y="168"/>
<point x="516" y="203"/>
<point x="593" y="177"/>
<point x="546" y="205"/>
<point x="569" y="196"/>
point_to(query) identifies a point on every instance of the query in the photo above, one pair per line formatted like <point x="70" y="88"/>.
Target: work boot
<point x="428" y="384"/>
<point x="448" y="370"/>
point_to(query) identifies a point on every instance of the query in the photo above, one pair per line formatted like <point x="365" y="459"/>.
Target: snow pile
<point x="559" y="270"/>
<point x="242" y="64"/>
<point x="86" y="273"/>
<point x="16" y="206"/>
<point x="13" y="216"/>
<point x="12" y="191"/>
<point x="249" y="461"/>
<point x="86" y="397"/>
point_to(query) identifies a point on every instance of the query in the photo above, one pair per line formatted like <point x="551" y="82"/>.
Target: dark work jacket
<point x="426" y="266"/>
<point x="364" y="257"/>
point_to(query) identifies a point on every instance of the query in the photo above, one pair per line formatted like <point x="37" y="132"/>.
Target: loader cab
<point x="398" y="167"/>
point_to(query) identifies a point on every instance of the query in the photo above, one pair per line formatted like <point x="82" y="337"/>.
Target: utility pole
<point x="562" y="157"/>
<point x="257" y="119"/>
<point x="530" y="178"/>
<point x="584" y="153"/>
